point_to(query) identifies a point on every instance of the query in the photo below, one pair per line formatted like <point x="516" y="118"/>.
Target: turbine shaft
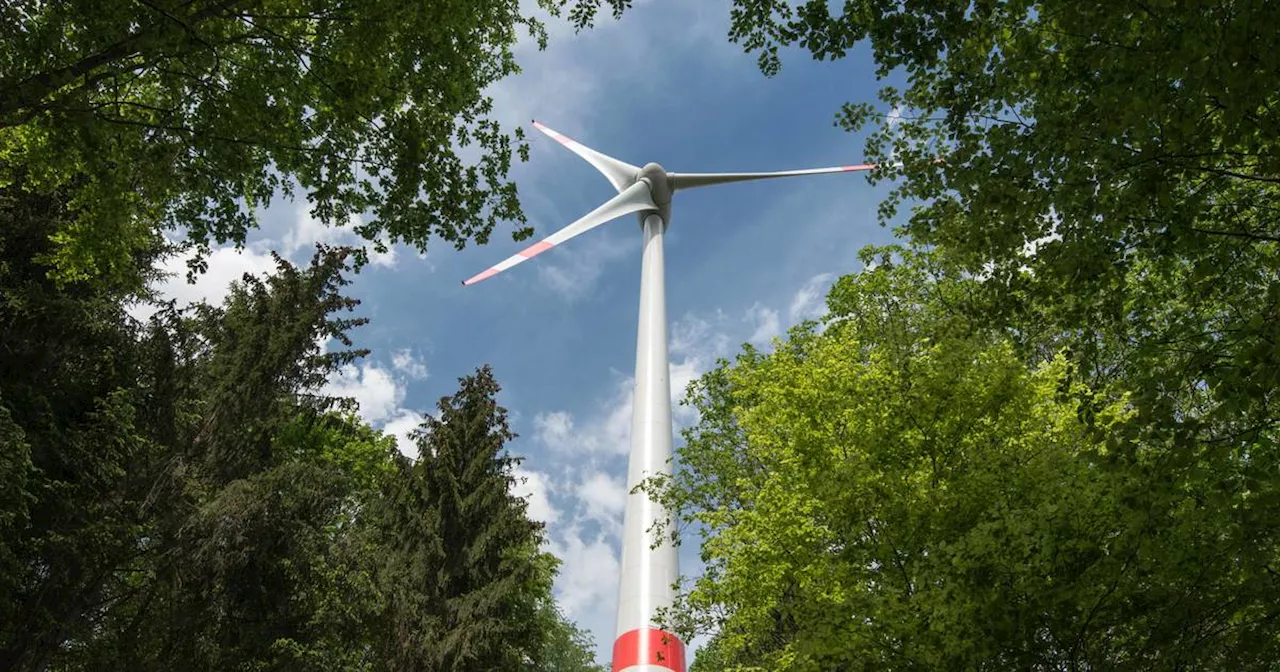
<point x="650" y="565"/>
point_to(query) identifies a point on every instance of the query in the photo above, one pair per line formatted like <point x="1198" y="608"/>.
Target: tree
<point x="159" y="496"/>
<point x="566" y="648"/>
<point x="903" y="490"/>
<point x="463" y="576"/>
<point x="71" y="434"/>
<point x="191" y="115"/>
<point x="1133" y="145"/>
<point x="177" y="495"/>
<point x="270" y="571"/>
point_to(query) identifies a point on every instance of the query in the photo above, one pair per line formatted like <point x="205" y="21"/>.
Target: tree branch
<point x="1239" y="234"/>
<point x="32" y="91"/>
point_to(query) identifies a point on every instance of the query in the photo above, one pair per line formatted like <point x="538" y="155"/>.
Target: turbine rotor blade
<point x="691" y="180"/>
<point x="619" y="173"/>
<point x="632" y="199"/>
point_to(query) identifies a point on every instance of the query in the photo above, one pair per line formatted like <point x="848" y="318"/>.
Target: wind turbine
<point x="649" y="570"/>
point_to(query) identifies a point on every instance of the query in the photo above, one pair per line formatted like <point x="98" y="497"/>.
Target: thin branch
<point x="1242" y="176"/>
<point x="238" y="141"/>
<point x="1239" y="234"/>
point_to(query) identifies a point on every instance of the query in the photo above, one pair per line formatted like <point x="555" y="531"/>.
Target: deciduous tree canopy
<point x="191" y="114"/>
<point x="906" y="489"/>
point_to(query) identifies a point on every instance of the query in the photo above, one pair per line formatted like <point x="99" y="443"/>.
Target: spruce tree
<point x="463" y="579"/>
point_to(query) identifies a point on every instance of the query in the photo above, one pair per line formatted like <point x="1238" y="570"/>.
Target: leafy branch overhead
<point x="192" y="114"/>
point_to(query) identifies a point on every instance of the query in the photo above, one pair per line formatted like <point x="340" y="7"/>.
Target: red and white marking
<point x="555" y="135"/>
<point x="527" y="253"/>
<point x="648" y="650"/>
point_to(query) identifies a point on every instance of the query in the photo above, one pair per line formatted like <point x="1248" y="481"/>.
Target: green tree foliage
<point x="566" y="647"/>
<point x="175" y="495"/>
<point x="67" y="385"/>
<point x="155" y="500"/>
<point x="462" y="573"/>
<point x="1143" y="136"/>
<point x="903" y="490"/>
<point x="192" y="114"/>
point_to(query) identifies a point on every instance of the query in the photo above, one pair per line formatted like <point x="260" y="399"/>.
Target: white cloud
<point x="401" y="424"/>
<point x="587" y="586"/>
<point x="404" y="362"/>
<point x="700" y="336"/>
<point x="695" y="344"/>
<point x="809" y="301"/>
<point x="225" y="265"/>
<point x="575" y="273"/>
<point x="607" y="433"/>
<point x="379" y="396"/>
<point x="534" y="487"/>
<point x="307" y="231"/>
<point x="603" y="498"/>
<point x="704" y="338"/>
<point x="560" y="87"/>
<point x="371" y="386"/>
<point x="684" y="372"/>
<point x="767" y="324"/>
<point x="553" y="429"/>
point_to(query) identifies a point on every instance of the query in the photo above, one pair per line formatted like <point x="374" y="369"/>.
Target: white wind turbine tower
<point x="649" y="569"/>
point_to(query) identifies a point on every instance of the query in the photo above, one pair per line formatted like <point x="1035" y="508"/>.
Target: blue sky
<point x="744" y="261"/>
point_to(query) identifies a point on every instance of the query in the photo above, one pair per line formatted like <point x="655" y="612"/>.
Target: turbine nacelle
<point x="660" y="190"/>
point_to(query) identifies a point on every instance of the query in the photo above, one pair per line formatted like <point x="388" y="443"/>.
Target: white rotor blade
<point x="691" y="180"/>
<point x="632" y="199"/>
<point x="619" y="173"/>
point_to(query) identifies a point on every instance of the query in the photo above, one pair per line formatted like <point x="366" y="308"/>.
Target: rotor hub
<point x="659" y="184"/>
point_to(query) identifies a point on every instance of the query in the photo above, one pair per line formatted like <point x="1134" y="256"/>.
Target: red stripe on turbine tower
<point x="648" y="646"/>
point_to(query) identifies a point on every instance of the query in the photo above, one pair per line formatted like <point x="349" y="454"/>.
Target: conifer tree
<point x="179" y="495"/>
<point x="464" y="578"/>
